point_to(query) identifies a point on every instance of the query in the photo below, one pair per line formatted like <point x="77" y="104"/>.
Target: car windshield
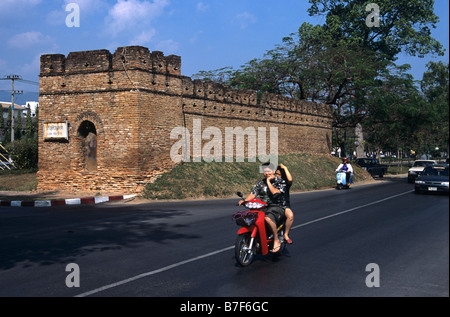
<point x="422" y="163"/>
<point x="435" y="171"/>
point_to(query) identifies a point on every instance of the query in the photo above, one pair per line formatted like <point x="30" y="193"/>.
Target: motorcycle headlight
<point x="249" y="221"/>
<point x="254" y="205"/>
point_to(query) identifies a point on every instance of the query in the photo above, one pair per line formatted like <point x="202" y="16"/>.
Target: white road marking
<point x="349" y="210"/>
<point x="166" y="268"/>
<point x="97" y="290"/>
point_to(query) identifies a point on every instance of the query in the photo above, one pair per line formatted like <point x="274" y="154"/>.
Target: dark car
<point x="433" y="178"/>
<point x="372" y="166"/>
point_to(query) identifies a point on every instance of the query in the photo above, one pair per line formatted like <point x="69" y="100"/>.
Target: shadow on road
<point x="59" y="235"/>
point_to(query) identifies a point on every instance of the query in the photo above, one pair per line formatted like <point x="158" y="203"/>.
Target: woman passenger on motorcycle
<point x="283" y="172"/>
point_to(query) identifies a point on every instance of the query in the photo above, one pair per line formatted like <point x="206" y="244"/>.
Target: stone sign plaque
<point x="56" y="131"/>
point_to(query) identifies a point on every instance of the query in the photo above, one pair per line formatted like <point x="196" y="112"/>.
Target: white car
<point x="418" y="167"/>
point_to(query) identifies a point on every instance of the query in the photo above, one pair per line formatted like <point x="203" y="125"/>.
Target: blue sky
<point x="207" y="34"/>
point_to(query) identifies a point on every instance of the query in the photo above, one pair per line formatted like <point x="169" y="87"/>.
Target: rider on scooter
<point x="348" y="169"/>
<point x="271" y="190"/>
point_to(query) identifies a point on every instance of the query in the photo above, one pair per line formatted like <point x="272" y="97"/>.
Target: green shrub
<point x="24" y="153"/>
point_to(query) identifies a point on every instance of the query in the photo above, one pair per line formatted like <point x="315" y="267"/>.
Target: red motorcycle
<point x="255" y="236"/>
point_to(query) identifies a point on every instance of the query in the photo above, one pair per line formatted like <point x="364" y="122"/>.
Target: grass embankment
<point x="206" y="180"/>
<point x="18" y="180"/>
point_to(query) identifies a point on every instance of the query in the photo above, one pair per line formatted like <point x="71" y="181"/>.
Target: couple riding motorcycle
<point x="274" y="190"/>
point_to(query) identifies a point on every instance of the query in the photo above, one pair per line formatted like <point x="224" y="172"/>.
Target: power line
<point x="18" y="77"/>
<point x="29" y="82"/>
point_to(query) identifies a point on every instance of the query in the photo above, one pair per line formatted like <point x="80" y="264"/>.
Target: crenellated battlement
<point x="217" y="92"/>
<point x="214" y="92"/>
<point x="129" y="58"/>
<point x="161" y="71"/>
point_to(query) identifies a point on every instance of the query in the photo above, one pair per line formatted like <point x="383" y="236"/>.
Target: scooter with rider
<point x="344" y="174"/>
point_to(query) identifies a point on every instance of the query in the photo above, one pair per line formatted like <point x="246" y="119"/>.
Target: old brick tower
<point x="106" y="119"/>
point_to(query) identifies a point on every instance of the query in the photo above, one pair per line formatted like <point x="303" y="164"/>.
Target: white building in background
<point x="32" y="105"/>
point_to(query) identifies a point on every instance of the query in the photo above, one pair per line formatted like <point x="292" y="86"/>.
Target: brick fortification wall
<point x="131" y="101"/>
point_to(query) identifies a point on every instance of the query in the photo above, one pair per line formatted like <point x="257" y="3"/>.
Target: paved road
<point x="185" y="249"/>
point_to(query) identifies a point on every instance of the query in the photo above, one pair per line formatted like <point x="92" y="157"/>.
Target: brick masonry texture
<point x="134" y="98"/>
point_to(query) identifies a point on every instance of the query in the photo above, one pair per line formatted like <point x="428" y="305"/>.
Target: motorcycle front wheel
<point x="244" y="254"/>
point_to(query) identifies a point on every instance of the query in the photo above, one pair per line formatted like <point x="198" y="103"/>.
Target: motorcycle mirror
<point x="240" y="194"/>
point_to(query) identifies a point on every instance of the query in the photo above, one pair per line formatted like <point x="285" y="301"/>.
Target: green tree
<point x="397" y="112"/>
<point x="7" y="135"/>
<point x="29" y="125"/>
<point x="405" y="25"/>
<point x="435" y="87"/>
<point x="220" y="76"/>
<point x="2" y="122"/>
<point x="18" y="126"/>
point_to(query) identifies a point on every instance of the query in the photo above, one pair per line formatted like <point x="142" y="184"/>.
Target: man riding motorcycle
<point x="271" y="189"/>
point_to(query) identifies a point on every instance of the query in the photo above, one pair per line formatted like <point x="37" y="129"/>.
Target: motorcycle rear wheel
<point x="244" y="255"/>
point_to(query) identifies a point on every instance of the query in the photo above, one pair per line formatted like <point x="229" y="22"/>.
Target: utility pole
<point x="13" y="92"/>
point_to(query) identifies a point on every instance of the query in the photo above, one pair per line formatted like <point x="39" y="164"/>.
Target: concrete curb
<point x="63" y="202"/>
